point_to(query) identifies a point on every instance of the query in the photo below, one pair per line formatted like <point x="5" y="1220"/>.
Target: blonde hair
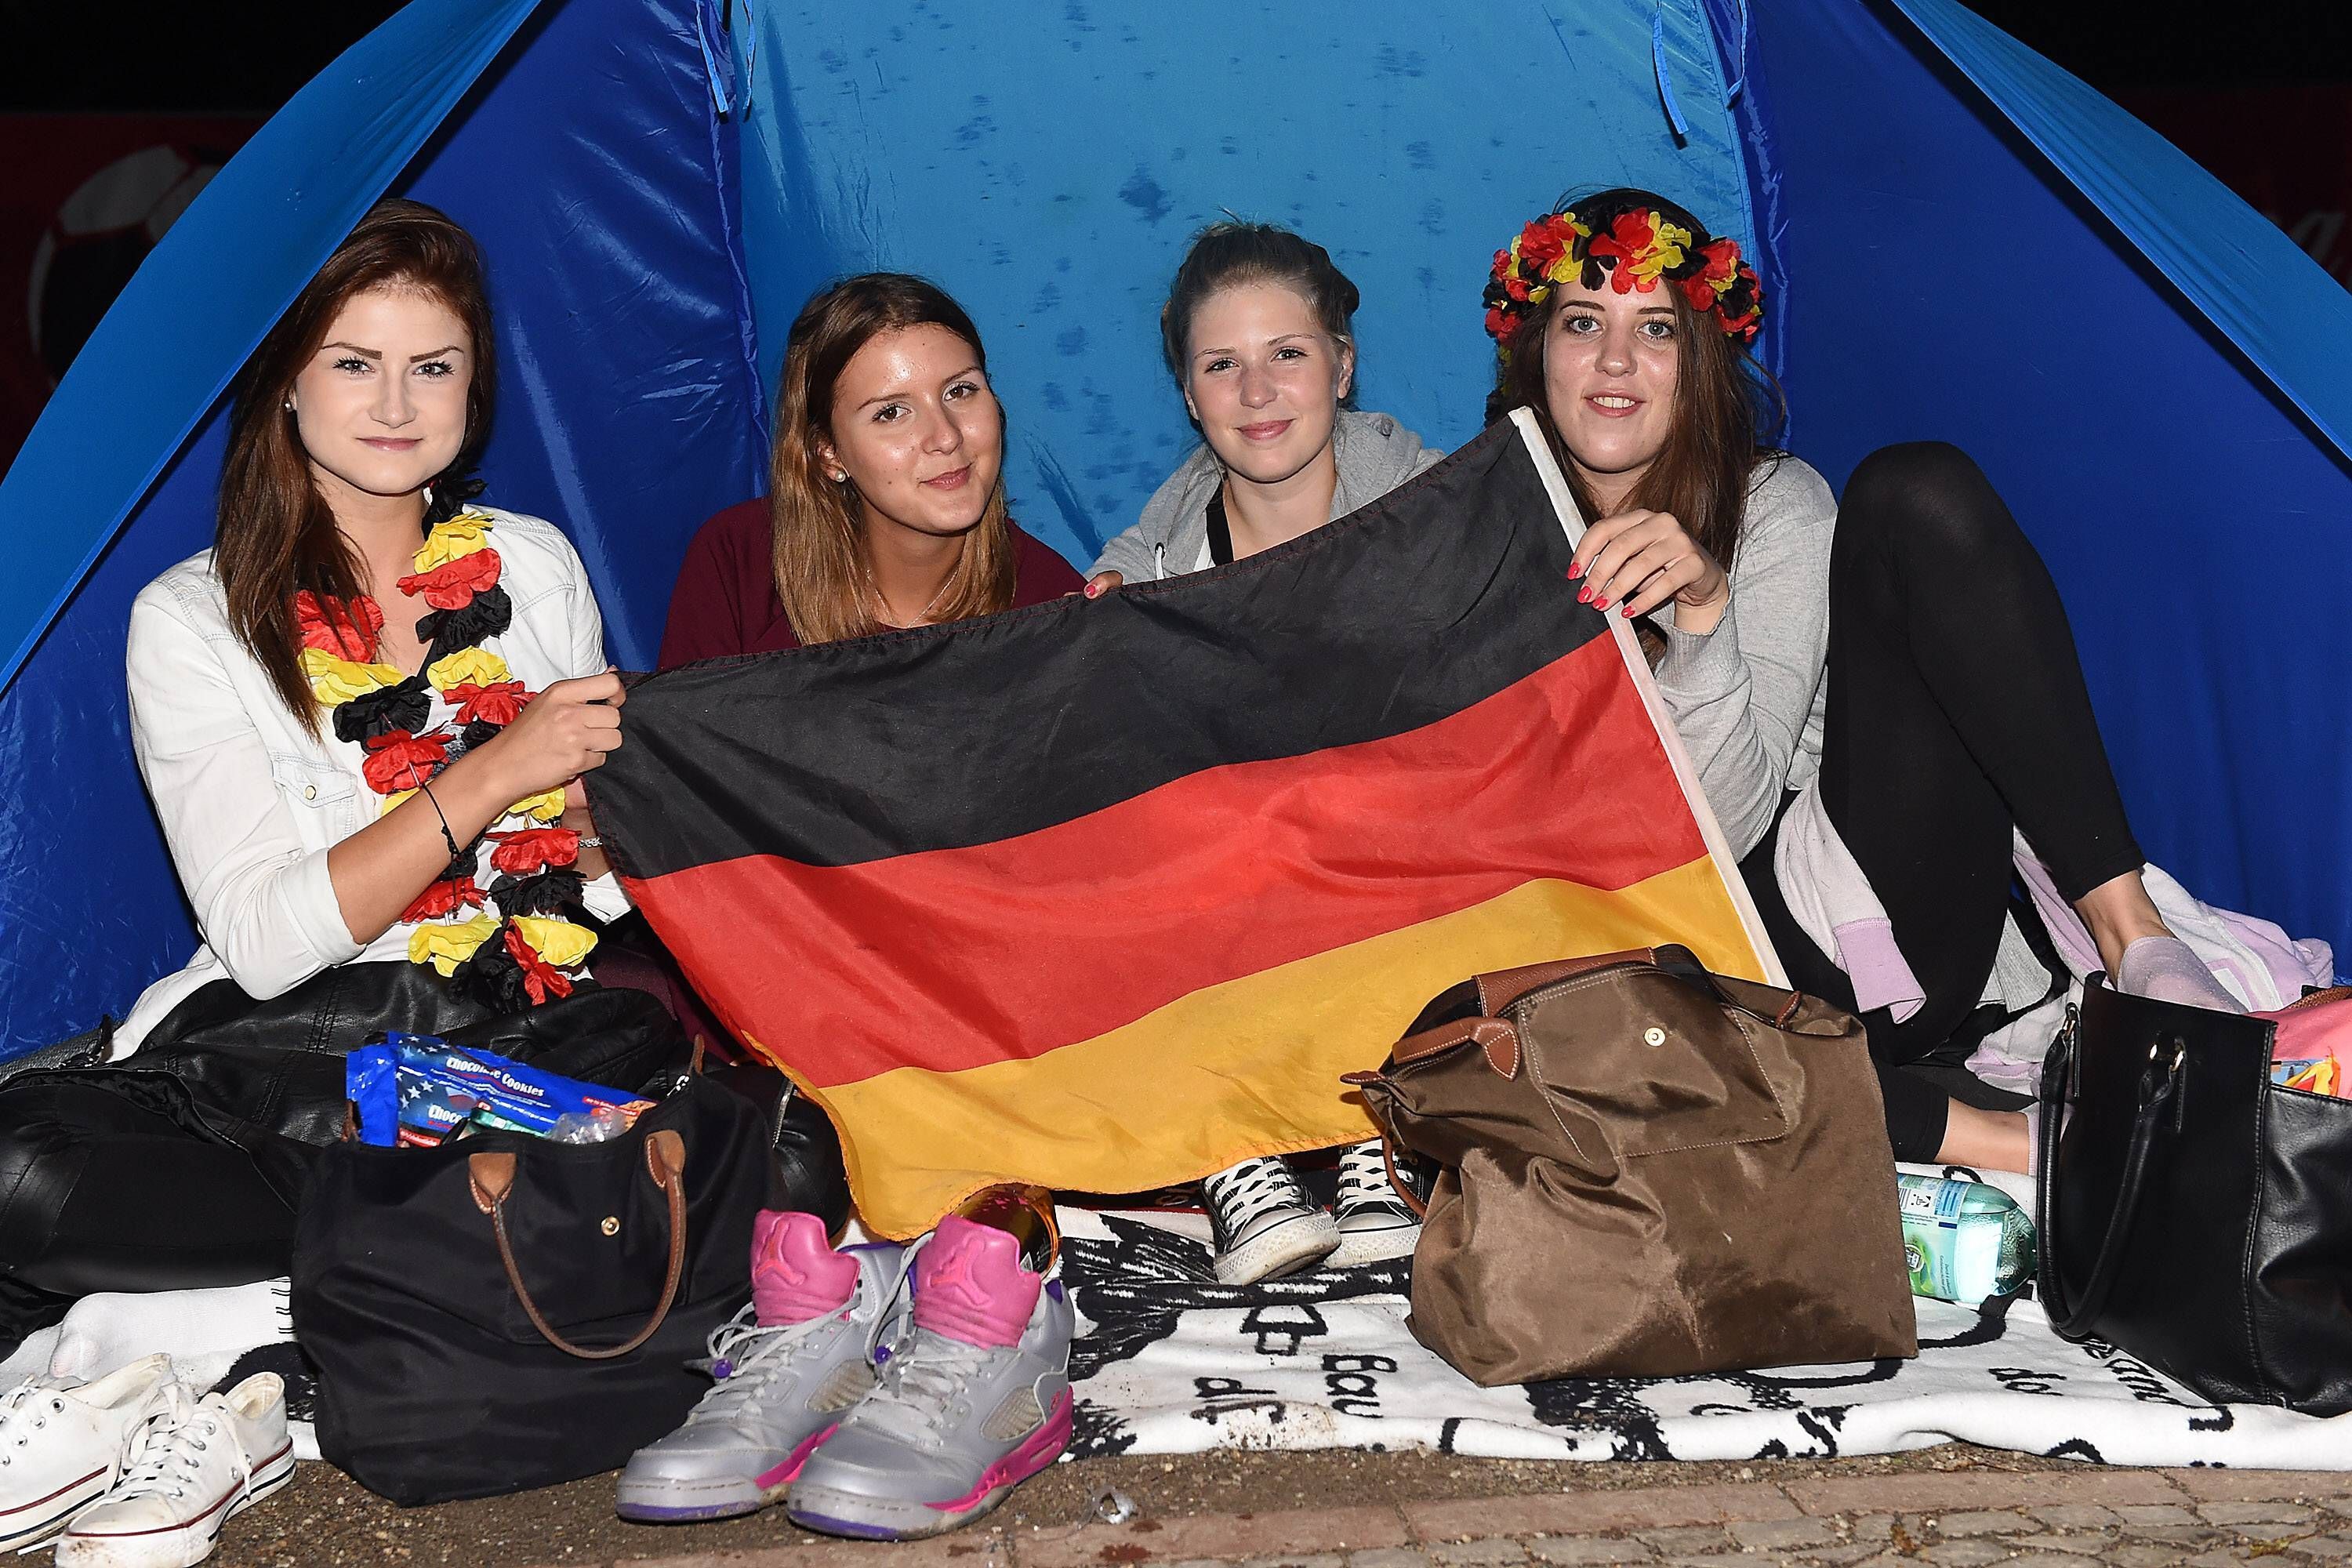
<point x="822" y="574"/>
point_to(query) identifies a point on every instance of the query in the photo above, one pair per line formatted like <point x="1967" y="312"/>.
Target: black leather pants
<point x="99" y="1192"/>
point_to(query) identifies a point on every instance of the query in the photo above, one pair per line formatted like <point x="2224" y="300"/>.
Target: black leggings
<point x="1957" y="710"/>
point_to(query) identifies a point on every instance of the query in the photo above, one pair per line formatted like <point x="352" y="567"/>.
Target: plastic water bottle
<point x="589" y="1127"/>
<point x="1966" y="1241"/>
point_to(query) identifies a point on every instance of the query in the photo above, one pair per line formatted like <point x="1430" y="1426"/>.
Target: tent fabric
<point x="2274" y="303"/>
<point x="1947" y="285"/>
<point x="1959" y="242"/>
<point x="1049" y="171"/>
<point x="591" y="164"/>
<point x="217" y="280"/>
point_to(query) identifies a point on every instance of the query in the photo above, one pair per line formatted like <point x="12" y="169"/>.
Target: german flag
<point x="1107" y="895"/>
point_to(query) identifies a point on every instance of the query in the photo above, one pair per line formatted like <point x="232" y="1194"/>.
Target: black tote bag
<point x="2194" y="1214"/>
<point x="504" y="1312"/>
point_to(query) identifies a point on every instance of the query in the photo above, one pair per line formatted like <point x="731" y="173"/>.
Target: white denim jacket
<point x="251" y="802"/>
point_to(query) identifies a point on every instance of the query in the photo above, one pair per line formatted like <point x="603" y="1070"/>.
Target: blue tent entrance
<point x="1959" y="240"/>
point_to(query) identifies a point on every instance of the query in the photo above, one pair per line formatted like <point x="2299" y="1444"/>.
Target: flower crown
<point x="1637" y="247"/>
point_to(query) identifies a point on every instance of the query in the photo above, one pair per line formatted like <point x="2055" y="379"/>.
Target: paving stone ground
<point x="1952" y="1508"/>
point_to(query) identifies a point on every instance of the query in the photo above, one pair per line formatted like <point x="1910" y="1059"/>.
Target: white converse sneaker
<point x="1264" y="1224"/>
<point x="62" y="1442"/>
<point x="190" y="1471"/>
<point x="1375" y="1224"/>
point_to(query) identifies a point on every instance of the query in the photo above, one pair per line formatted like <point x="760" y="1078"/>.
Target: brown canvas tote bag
<point x="1645" y="1169"/>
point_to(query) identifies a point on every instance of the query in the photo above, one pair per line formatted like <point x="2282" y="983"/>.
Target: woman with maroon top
<point x="885" y="494"/>
<point x="885" y="508"/>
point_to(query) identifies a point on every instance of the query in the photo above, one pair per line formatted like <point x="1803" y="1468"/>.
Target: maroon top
<point x="724" y="600"/>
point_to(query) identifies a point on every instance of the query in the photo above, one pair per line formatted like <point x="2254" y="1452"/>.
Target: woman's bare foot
<point x="1985" y="1140"/>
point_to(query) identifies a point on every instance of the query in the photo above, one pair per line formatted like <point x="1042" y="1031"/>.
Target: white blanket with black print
<point x="1169" y="1362"/>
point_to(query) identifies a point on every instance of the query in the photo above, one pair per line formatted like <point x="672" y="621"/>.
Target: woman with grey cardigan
<point x="1258" y="332"/>
<point x="1903" y="650"/>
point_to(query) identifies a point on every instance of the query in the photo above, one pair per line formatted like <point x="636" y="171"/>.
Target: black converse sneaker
<point x="1375" y="1225"/>
<point x="1264" y="1223"/>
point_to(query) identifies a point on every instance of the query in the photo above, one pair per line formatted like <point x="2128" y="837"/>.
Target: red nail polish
<point x="1584" y="595"/>
<point x="1625" y="610"/>
<point x="1600" y="603"/>
<point x="1575" y="570"/>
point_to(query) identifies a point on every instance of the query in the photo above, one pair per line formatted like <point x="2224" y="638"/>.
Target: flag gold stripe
<point x="1132" y="1109"/>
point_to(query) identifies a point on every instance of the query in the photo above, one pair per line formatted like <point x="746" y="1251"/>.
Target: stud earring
<point x="838" y="476"/>
<point x="290" y="405"/>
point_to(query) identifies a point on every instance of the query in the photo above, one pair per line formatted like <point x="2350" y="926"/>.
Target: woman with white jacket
<point x="362" y="717"/>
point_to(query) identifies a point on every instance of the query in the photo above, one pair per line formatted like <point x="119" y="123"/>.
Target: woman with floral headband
<point x="1258" y="331"/>
<point x="1905" y="650"/>
<point x="359" y="716"/>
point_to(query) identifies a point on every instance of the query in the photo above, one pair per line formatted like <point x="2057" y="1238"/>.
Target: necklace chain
<point x="882" y="606"/>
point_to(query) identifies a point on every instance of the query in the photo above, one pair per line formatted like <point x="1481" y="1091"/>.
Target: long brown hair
<point x="1723" y="404"/>
<point x="276" y="535"/>
<point x="822" y="574"/>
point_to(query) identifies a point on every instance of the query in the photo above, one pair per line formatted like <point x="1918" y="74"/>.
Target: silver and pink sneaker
<point x="790" y="1366"/>
<point x="972" y="1402"/>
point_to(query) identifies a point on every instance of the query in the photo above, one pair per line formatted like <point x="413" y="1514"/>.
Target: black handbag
<point x="505" y="1312"/>
<point x="2194" y="1214"/>
<point x="802" y="1139"/>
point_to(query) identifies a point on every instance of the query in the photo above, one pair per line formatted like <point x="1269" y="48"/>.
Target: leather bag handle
<point x="2160" y="1090"/>
<point x="492" y="1177"/>
<point x="1494" y="1037"/>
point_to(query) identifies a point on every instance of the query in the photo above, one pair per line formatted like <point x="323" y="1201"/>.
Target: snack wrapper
<point x="524" y="1097"/>
<point x="417" y="1090"/>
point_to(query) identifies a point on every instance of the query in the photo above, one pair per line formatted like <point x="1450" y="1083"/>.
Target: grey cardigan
<point x="1749" y="698"/>
<point x="1374" y="453"/>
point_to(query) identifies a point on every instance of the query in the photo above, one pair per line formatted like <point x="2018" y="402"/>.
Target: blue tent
<point x="1960" y="241"/>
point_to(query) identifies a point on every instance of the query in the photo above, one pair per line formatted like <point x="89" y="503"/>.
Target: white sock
<point x="2166" y="969"/>
<point x="202" y="1331"/>
<point x="2032" y="1114"/>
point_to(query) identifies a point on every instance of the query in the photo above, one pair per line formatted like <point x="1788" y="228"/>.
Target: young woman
<point x="366" y="673"/>
<point x="885" y="508"/>
<point x="1258" y="331"/>
<point x="329" y="708"/>
<point x="1905" y="648"/>
<point x="892" y="517"/>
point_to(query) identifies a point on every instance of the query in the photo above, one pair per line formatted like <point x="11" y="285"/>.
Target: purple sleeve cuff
<point x="1881" y="977"/>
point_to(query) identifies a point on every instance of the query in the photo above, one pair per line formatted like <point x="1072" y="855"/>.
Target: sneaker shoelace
<point x="1364" y="1180"/>
<point x="24" y="1410"/>
<point x="169" y="1452"/>
<point x="1241" y="1196"/>
<point x="745" y="1356"/>
<point x="922" y="1387"/>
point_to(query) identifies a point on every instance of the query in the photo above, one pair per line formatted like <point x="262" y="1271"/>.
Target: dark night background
<point x="250" y="54"/>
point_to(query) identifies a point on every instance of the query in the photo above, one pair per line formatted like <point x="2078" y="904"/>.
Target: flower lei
<point x="1632" y="250"/>
<point x="529" y="948"/>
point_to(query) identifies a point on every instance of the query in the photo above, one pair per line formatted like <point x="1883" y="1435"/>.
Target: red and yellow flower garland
<point x="1631" y="249"/>
<point x="536" y="949"/>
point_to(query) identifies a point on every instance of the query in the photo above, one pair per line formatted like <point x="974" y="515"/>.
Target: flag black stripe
<point x="1435" y="597"/>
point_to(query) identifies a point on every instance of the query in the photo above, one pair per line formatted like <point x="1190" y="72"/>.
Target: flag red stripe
<point x="953" y="958"/>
